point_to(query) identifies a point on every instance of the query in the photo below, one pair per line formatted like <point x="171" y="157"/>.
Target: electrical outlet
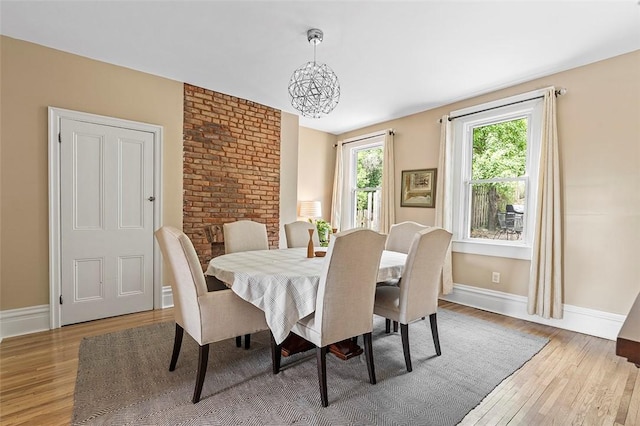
<point x="495" y="277"/>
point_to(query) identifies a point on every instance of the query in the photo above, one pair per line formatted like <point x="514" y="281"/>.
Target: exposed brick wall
<point x="231" y="166"/>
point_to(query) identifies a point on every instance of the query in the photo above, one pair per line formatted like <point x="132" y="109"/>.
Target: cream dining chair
<point x="399" y="239"/>
<point x="297" y="234"/>
<point x="344" y="304"/>
<point x="417" y="295"/>
<point x="207" y="317"/>
<point x="401" y="236"/>
<point x="244" y="235"/>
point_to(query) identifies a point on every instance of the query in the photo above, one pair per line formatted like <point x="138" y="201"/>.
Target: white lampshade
<point x="310" y="209"/>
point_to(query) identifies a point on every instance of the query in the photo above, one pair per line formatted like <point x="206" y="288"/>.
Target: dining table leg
<point x="344" y="350"/>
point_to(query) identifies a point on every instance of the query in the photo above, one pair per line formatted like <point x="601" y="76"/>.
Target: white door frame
<point x="55" y="273"/>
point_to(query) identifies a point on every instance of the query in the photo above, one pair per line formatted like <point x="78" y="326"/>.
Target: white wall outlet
<point x="495" y="277"/>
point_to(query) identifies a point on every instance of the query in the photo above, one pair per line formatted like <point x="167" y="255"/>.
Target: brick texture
<point x="231" y="166"/>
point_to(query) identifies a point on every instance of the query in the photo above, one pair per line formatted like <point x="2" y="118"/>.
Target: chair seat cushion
<point x="387" y="302"/>
<point x="306" y="328"/>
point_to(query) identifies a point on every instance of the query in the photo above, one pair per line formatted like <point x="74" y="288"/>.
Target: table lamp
<point x="310" y="209"/>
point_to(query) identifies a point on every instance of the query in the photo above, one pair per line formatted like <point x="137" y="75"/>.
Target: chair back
<point x="344" y="305"/>
<point x="401" y="236"/>
<point x="187" y="278"/>
<point x="245" y="235"/>
<point x="297" y="234"/>
<point x="420" y="283"/>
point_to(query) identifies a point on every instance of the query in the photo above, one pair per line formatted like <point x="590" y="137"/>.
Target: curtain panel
<point x="444" y="198"/>
<point x="545" y="278"/>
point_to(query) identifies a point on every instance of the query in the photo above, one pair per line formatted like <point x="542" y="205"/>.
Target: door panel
<point x="106" y="179"/>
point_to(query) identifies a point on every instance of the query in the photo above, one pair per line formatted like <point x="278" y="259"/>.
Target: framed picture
<point x="418" y="188"/>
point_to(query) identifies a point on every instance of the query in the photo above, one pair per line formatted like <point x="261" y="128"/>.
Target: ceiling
<point x="393" y="58"/>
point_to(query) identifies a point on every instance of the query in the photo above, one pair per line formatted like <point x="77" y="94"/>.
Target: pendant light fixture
<point x="314" y="88"/>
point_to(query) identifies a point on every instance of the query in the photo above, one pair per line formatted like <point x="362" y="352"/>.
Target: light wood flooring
<point x="575" y="380"/>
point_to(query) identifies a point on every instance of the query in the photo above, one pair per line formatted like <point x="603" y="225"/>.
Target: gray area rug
<point x="123" y="378"/>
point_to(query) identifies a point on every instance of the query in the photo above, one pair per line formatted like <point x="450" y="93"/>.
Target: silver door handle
<point x="152" y="198"/>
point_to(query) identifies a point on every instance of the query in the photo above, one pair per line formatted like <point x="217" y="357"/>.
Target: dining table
<point x="284" y="282"/>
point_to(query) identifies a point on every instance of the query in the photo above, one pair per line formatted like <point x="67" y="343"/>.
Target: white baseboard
<point x="15" y="322"/>
<point x="583" y="320"/>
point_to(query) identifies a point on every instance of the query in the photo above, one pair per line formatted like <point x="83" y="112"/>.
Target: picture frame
<point x="418" y="188"/>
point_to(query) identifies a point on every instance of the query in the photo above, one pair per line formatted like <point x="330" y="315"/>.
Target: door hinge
<point x="59" y="137"/>
<point x="61" y="299"/>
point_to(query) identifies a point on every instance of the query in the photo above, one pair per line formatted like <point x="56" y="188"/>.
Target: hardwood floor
<point x="574" y="380"/>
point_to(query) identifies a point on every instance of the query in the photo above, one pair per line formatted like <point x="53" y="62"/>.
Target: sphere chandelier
<point x="314" y="88"/>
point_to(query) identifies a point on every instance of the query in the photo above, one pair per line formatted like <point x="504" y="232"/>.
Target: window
<point x="496" y="154"/>
<point x="361" y="203"/>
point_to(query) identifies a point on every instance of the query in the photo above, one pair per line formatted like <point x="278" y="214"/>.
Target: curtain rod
<point x="558" y="92"/>
<point x="391" y="132"/>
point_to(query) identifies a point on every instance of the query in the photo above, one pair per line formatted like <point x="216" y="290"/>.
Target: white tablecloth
<point x="284" y="283"/>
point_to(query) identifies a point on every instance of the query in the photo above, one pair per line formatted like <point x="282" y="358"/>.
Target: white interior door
<point x="106" y="221"/>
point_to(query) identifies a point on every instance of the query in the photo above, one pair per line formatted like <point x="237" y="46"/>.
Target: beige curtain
<point x="545" y="279"/>
<point x="336" y="200"/>
<point x="387" y="210"/>
<point x="443" y="197"/>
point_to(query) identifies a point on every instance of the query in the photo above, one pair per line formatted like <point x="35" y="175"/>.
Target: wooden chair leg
<point x="238" y="341"/>
<point x="404" y="332"/>
<point x="203" y="357"/>
<point x="177" y="344"/>
<point x="395" y="326"/>
<point x="321" y="361"/>
<point x="434" y="333"/>
<point x="276" y="355"/>
<point x="368" y="352"/>
<point x="354" y="339"/>
<point x="387" y="325"/>
<point x="247" y="341"/>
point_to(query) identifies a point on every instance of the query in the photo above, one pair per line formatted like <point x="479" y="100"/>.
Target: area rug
<point x="123" y="378"/>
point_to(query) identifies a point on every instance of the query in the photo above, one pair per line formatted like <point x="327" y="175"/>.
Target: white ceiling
<point x="393" y="58"/>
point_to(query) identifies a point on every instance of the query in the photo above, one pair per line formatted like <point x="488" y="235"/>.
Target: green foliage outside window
<point x="369" y="173"/>
<point x="500" y="151"/>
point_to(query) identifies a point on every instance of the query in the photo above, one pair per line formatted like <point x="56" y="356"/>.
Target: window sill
<point x="489" y="248"/>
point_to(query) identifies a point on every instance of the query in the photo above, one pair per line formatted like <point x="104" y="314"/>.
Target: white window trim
<point x="532" y="110"/>
<point x="348" y="161"/>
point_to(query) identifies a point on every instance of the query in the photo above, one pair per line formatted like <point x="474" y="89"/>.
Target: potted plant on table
<point x="324" y="228"/>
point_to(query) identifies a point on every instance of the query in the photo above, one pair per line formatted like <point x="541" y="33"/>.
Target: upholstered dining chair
<point x="344" y="305"/>
<point x="244" y="235"/>
<point x="297" y="234"/>
<point x="399" y="239"/>
<point x="401" y="236"/>
<point x="207" y="317"/>
<point x="417" y="295"/>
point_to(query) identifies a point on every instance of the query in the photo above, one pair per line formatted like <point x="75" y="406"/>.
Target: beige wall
<point x="316" y="164"/>
<point x="34" y="77"/>
<point x="599" y="136"/>
<point x="288" y="172"/>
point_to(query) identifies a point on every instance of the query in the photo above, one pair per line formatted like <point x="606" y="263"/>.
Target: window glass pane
<point x="497" y="210"/>
<point x="500" y="150"/>
<point x="367" y="213"/>
<point x="369" y="168"/>
<point x="368" y="184"/>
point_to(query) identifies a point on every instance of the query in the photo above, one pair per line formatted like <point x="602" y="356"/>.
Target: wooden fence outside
<point x="484" y="207"/>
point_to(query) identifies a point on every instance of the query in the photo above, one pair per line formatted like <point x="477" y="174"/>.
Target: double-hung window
<point x="362" y="170"/>
<point x="496" y="152"/>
